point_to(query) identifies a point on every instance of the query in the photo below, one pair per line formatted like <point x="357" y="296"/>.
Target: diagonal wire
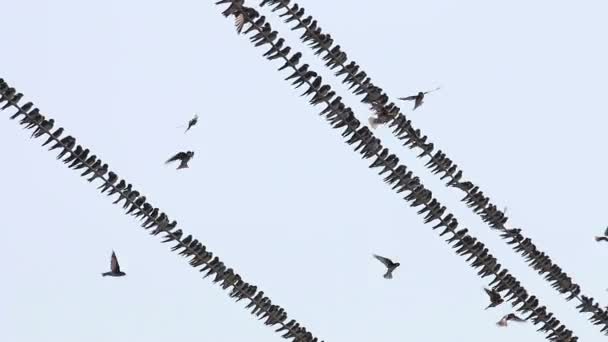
<point x="137" y="205"/>
<point x="438" y="162"/>
<point x="369" y="146"/>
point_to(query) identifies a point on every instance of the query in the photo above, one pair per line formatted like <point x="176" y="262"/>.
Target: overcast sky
<point x="274" y="191"/>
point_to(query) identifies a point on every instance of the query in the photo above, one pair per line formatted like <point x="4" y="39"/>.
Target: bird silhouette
<point x="390" y="265"/>
<point x="192" y="122"/>
<point x="495" y="298"/>
<point x="602" y="238"/>
<point x="114" y="268"/>
<point x="418" y="98"/>
<point x="510" y="317"/>
<point x="183" y="157"/>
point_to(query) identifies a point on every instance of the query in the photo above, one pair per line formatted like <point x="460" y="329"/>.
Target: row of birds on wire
<point x="155" y="221"/>
<point x="342" y="117"/>
<point x="384" y="114"/>
<point x="174" y="156"/>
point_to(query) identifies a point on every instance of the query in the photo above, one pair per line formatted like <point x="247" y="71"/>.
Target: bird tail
<point x="182" y="166"/>
<point x="598" y="238"/>
<point x="388" y="275"/>
<point x="373" y="122"/>
<point x="502" y="323"/>
<point x="106" y="274"/>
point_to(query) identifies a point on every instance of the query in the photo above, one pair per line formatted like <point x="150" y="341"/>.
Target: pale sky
<point x="274" y="191"/>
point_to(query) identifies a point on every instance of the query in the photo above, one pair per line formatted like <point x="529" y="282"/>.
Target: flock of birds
<point x="155" y="221"/>
<point x="342" y="117"/>
<point x="495" y="296"/>
<point x="182" y="157"/>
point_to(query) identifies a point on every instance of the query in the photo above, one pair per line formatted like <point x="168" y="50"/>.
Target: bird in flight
<point x="114" y="268"/>
<point x="602" y="238"/>
<point x="192" y="122"/>
<point x="183" y="157"/>
<point x="418" y="98"/>
<point x="390" y="266"/>
<point x="495" y="298"/>
<point x="510" y="317"/>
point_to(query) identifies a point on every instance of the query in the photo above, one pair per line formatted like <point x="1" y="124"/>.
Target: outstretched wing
<point x="179" y="156"/>
<point x="409" y="98"/>
<point x="240" y="22"/>
<point x="114" y="264"/>
<point x="430" y="91"/>
<point x="606" y="232"/>
<point x="514" y="318"/>
<point x="386" y="261"/>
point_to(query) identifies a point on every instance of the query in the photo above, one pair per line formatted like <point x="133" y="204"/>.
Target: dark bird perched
<point x="114" y="267"/>
<point x="183" y="157"/>
<point x="602" y="238"/>
<point x="56" y="135"/>
<point x="192" y="122"/>
<point x="390" y="265"/>
<point x="495" y="298"/>
<point x="510" y="317"/>
<point x="13" y="101"/>
<point x="418" y="98"/>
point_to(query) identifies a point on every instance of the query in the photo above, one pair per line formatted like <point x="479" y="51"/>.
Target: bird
<point x="495" y="298"/>
<point x="192" y="122"/>
<point x="418" y="98"/>
<point x="510" y="317"/>
<point x="602" y="238"/>
<point x="390" y="265"/>
<point x="239" y="22"/>
<point x="114" y="267"/>
<point x="183" y="157"/>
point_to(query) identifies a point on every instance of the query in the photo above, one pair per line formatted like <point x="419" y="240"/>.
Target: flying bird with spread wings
<point x="418" y="98"/>
<point x="114" y="268"/>
<point x="183" y="157"/>
<point x="510" y="317"/>
<point x="602" y="238"/>
<point x="495" y="298"/>
<point x="390" y="266"/>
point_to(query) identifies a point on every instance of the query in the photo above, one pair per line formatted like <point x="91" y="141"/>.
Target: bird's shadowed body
<point x="390" y="266"/>
<point x="495" y="298"/>
<point x="418" y="98"/>
<point x="114" y="268"/>
<point x="192" y="122"/>
<point x="183" y="157"/>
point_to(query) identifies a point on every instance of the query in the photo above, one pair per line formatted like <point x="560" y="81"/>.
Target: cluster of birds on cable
<point x="384" y="113"/>
<point x="154" y="220"/>
<point x="342" y="117"/>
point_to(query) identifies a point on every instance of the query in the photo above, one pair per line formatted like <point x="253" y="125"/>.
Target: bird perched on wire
<point x="183" y="157"/>
<point x="114" y="268"/>
<point x="418" y="98"/>
<point x="390" y="266"/>
<point x="495" y="298"/>
<point x="510" y="317"/>
<point x="602" y="238"/>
